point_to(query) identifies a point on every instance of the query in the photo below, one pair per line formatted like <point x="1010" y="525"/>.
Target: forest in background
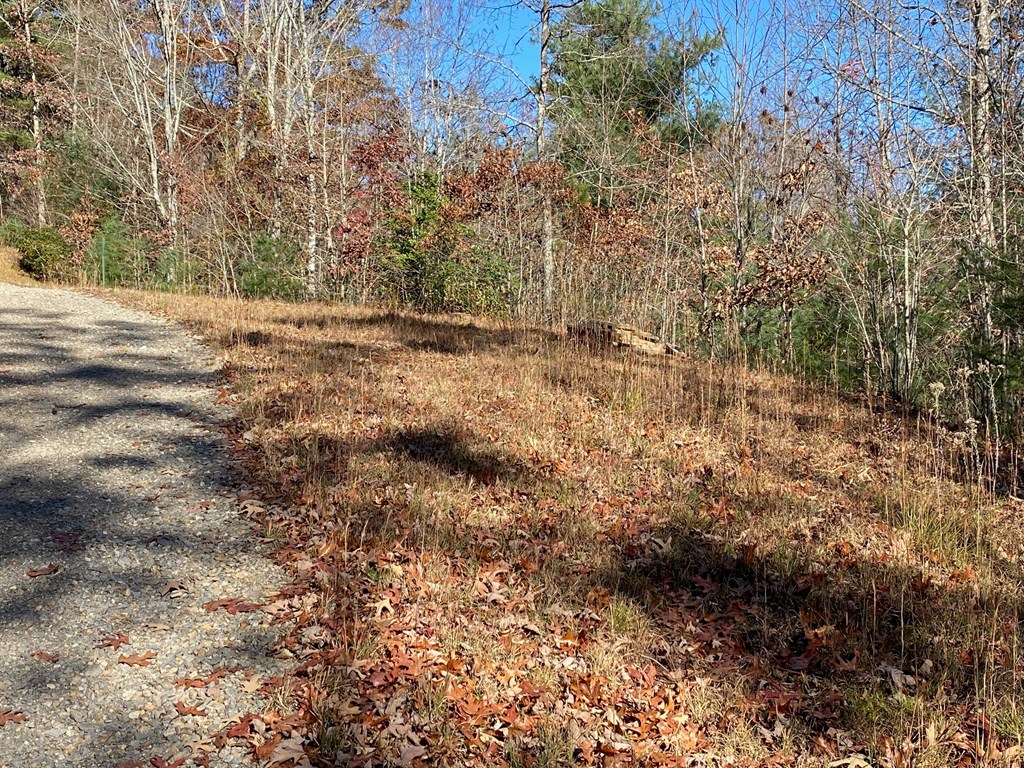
<point x="836" y="188"/>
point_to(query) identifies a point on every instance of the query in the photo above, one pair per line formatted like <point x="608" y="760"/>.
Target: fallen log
<point x="607" y="334"/>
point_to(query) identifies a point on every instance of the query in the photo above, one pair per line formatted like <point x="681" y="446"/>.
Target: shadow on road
<point x="112" y="469"/>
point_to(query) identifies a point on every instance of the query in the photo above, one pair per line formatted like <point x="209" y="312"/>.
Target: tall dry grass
<point x="813" y="579"/>
<point x="9" y="270"/>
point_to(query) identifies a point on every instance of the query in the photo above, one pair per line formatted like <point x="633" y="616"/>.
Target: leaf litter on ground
<point x="567" y="557"/>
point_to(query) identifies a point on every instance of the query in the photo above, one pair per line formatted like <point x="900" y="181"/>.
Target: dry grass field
<point x="9" y="272"/>
<point x="512" y="551"/>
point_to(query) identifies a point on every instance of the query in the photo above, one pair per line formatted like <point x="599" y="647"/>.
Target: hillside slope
<point x="513" y="551"/>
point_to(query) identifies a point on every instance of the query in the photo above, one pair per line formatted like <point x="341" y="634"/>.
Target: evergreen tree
<point x="618" y="79"/>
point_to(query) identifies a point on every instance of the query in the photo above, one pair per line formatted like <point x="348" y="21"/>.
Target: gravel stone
<point x="109" y="431"/>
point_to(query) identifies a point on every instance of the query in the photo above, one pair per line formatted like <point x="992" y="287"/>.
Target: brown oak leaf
<point x="266" y="749"/>
<point x="138" y="660"/>
<point x="185" y="709"/>
<point x="46" y="570"/>
<point x="241" y="729"/>
<point x="10" y="716"/>
<point x="232" y="605"/>
<point x="114" y="641"/>
<point x="291" y="751"/>
<point x="44" y="656"/>
<point x="217" y="674"/>
<point x="189" y="682"/>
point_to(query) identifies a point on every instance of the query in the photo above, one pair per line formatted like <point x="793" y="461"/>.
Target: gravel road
<point x="112" y="469"/>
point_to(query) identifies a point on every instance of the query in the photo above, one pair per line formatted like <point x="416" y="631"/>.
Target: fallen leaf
<point x="241" y="607"/>
<point x="384" y="604"/>
<point x="853" y="761"/>
<point x="10" y="716"/>
<point x="44" y="656"/>
<point x="46" y="570"/>
<point x="200" y="745"/>
<point x="407" y="754"/>
<point x="899" y="678"/>
<point x="252" y="507"/>
<point x="175" y="588"/>
<point x="114" y="641"/>
<point x="531" y="628"/>
<point x="218" y="673"/>
<point x="240" y="730"/>
<point x="278" y="606"/>
<point x="232" y="605"/>
<point x="138" y="660"/>
<point x="186" y="709"/>
<point x="189" y="682"/>
<point x="289" y="749"/>
<point x="162" y="762"/>
<point x="252" y="685"/>
<point x="587" y="749"/>
<point x="202" y="682"/>
<point x="266" y="749"/>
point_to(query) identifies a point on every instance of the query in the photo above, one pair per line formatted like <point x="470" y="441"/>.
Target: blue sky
<point x="513" y="28"/>
<point x="521" y="27"/>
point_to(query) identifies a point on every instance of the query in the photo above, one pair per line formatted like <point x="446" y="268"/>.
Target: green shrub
<point x="172" y="270"/>
<point x="115" y="257"/>
<point x="273" y="271"/>
<point x="43" y="251"/>
<point x="477" y="282"/>
<point x="431" y="262"/>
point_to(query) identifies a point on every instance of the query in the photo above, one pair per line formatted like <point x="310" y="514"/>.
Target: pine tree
<point x="616" y="74"/>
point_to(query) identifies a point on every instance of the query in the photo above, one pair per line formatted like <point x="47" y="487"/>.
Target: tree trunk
<point x="37" y="123"/>
<point x="981" y="151"/>
<point x="984" y="213"/>
<point x="547" y="213"/>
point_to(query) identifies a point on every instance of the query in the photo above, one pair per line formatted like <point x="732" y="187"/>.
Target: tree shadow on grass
<point x="454" y="452"/>
<point x="426" y="333"/>
<point x="831" y="640"/>
<point x="799" y="646"/>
